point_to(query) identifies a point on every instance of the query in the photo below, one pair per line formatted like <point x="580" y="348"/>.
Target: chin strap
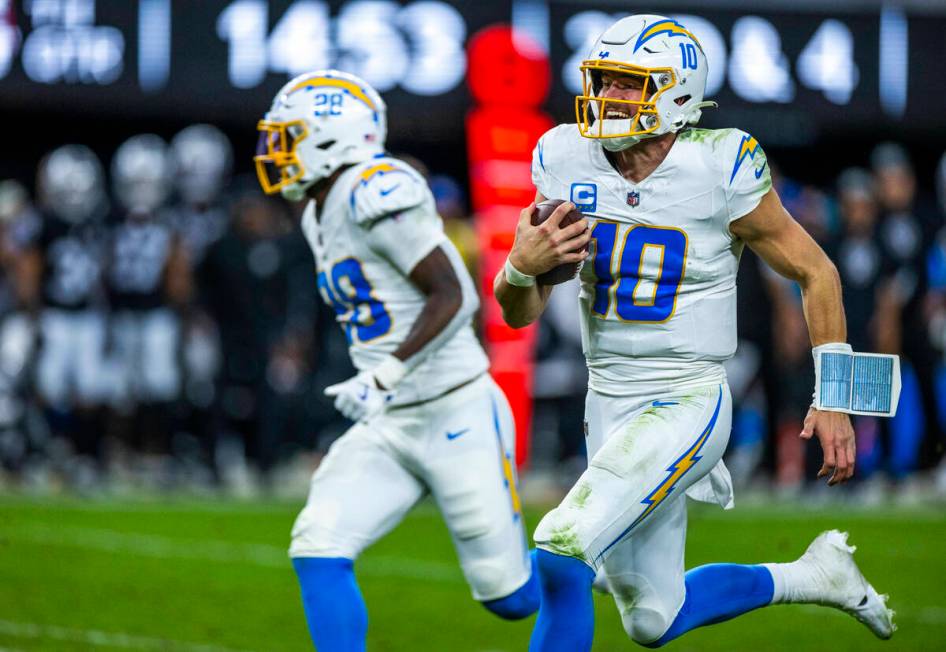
<point x="693" y="115"/>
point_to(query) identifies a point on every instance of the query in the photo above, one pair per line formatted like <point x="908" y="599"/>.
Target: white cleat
<point x="844" y="587"/>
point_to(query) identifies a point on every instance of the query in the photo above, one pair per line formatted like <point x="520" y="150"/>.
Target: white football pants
<point x="459" y="448"/>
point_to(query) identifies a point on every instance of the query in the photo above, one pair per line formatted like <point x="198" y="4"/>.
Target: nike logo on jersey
<point x="664" y="403"/>
<point x="758" y="173"/>
<point x="458" y="433"/>
<point x="387" y="191"/>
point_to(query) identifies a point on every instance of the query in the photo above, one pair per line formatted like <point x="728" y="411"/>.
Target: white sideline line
<point x="258" y="554"/>
<point x="99" y="638"/>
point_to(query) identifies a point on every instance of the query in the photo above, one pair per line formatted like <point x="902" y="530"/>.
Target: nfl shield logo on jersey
<point x="633" y="199"/>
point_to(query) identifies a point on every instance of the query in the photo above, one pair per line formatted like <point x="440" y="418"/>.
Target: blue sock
<point x="334" y="608"/>
<point x="523" y="602"/>
<point x="566" y="621"/>
<point x="718" y="592"/>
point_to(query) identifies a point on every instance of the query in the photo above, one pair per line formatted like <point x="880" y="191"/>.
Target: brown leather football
<point x="565" y="271"/>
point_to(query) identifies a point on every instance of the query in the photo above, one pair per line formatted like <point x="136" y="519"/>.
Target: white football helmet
<point x="671" y="66"/>
<point x="318" y="122"/>
<point x="202" y="159"/>
<point x="71" y="183"/>
<point x="142" y="173"/>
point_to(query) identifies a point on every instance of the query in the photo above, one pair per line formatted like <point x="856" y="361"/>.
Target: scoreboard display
<point x="787" y="73"/>
<point x="224" y="60"/>
<point x="790" y="73"/>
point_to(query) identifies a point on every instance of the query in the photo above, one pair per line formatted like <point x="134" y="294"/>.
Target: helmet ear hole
<point x="327" y="144"/>
<point x="683" y="100"/>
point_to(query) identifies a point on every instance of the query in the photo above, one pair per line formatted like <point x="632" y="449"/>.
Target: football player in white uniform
<point x="668" y="211"/>
<point x="429" y="418"/>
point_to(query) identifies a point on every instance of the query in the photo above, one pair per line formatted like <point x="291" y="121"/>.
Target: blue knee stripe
<point x="334" y="608"/>
<point x="523" y="602"/>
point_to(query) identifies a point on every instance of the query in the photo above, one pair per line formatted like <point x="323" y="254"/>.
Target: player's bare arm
<point x="535" y="250"/>
<point x="782" y="243"/>
<point x="436" y="278"/>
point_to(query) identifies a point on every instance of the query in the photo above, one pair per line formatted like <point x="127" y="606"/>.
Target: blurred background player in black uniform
<point x="62" y="276"/>
<point x="908" y="222"/>
<point x="202" y="160"/>
<point x="148" y="284"/>
<point x="265" y="399"/>
<point x="22" y="432"/>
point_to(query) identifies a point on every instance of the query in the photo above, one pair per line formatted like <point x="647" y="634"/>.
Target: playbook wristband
<point x="390" y="372"/>
<point x="833" y="371"/>
<point x="517" y="278"/>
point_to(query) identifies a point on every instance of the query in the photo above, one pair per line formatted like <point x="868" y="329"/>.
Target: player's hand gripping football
<point x="538" y="249"/>
<point x="836" y="435"/>
<point x="359" y="398"/>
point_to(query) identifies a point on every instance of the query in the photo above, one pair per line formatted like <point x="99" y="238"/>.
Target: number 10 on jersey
<point x="650" y="266"/>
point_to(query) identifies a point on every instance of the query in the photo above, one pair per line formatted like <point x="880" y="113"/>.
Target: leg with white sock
<point x="359" y="493"/>
<point x="658" y="603"/>
<point x="828" y="575"/>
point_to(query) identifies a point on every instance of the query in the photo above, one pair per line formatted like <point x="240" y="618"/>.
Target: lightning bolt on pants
<point x="626" y="514"/>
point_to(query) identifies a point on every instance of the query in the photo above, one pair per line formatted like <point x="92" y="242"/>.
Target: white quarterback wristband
<point x="390" y="372"/>
<point x="517" y="278"/>
<point x="855" y="383"/>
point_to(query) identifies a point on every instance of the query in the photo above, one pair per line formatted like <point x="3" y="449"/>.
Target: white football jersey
<point x="658" y="289"/>
<point x="378" y="221"/>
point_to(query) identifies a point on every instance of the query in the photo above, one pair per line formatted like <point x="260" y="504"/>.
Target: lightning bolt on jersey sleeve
<point x="746" y="173"/>
<point x="385" y="187"/>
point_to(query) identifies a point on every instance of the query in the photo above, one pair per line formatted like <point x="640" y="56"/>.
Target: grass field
<point x="213" y="577"/>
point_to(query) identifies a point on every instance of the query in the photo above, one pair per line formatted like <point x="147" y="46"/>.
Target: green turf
<point x="213" y="576"/>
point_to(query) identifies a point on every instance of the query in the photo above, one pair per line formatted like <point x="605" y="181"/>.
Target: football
<point x="565" y="271"/>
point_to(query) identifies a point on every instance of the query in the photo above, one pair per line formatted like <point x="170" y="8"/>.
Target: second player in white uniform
<point x="429" y="418"/>
<point x="668" y="209"/>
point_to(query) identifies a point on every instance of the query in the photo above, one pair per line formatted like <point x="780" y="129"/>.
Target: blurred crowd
<point x="159" y="324"/>
<point x="160" y="327"/>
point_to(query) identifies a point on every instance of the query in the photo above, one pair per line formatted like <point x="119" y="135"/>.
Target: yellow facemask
<point x="277" y="164"/>
<point x="643" y="117"/>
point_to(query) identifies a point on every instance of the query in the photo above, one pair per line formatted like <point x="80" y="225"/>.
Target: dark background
<point x="812" y="137"/>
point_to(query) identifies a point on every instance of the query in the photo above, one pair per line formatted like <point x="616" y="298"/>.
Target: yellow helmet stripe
<point x="351" y="87"/>
<point x="671" y="27"/>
